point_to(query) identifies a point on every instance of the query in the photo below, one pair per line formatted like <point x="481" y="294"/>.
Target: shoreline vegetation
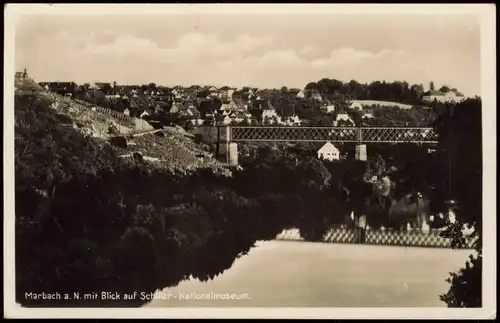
<point x="89" y="221"/>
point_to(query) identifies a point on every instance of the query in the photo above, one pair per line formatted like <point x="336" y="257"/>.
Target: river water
<point x="306" y="274"/>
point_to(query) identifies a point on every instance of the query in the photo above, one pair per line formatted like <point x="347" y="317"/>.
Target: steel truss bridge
<point x="359" y="135"/>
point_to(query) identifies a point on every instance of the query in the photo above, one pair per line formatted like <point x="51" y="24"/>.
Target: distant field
<point x="383" y="103"/>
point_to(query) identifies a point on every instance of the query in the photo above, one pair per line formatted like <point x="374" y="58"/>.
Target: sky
<point x="265" y="51"/>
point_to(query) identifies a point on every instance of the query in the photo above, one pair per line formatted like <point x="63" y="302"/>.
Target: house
<point x="144" y="114"/>
<point x="62" y="88"/>
<point x="240" y="104"/>
<point x="177" y="93"/>
<point x="328" y="107"/>
<point x="227" y="120"/>
<point x="262" y="105"/>
<point x="22" y="75"/>
<point x="227" y="107"/>
<point x="134" y="104"/>
<point x="343" y="119"/>
<point x="329" y="152"/>
<point x="209" y="116"/>
<point x="197" y="122"/>
<point x="316" y="96"/>
<point x="213" y="92"/>
<point x="264" y="110"/>
<point x="454" y="96"/>
<point x="113" y="96"/>
<point x="355" y="105"/>
<point x="191" y="112"/>
<point x="270" y="116"/>
<point x="295" y="120"/>
<point x="101" y="86"/>
<point x="290" y="121"/>
<point x="176" y="107"/>
<point x="450" y="96"/>
<point x="226" y="93"/>
<point x="300" y="95"/>
<point x="238" y="116"/>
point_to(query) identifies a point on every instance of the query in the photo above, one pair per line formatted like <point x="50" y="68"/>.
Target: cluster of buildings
<point x="210" y="105"/>
<point x="199" y="105"/>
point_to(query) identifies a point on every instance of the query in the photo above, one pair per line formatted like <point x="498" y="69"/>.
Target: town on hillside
<point x="328" y="102"/>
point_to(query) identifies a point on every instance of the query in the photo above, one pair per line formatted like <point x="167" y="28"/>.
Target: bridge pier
<point x="230" y="149"/>
<point x="232" y="154"/>
<point x="361" y="154"/>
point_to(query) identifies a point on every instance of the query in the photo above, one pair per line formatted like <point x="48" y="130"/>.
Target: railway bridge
<point x="229" y="136"/>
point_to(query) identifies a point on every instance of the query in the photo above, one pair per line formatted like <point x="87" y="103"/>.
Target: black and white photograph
<point x="250" y="161"/>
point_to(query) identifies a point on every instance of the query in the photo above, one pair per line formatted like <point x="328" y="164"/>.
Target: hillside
<point x="173" y="151"/>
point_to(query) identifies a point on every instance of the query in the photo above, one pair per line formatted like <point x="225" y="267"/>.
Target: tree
<point x="246" y="121"/>
<point x="311" y="86"/>
<point x="431" y="86"/>
<point x="459" y="178"/>
<point x="203" y="94"/>
<point x="444" y="89"/>
<point x="356" y="116"/>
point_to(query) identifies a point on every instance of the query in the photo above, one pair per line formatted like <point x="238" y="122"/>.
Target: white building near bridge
<point x="329" y="152"/>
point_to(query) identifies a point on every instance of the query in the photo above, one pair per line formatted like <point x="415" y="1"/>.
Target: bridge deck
<point x="333" y="134"/>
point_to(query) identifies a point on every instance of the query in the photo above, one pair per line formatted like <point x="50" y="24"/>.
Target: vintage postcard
<point x="250" y="161"/>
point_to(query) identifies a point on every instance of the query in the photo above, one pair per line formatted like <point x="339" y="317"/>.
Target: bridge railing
<point x="334" y="134"/>
<point x="398" y="135"/>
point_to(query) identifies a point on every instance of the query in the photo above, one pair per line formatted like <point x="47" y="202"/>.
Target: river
<point x="306" y="274"/>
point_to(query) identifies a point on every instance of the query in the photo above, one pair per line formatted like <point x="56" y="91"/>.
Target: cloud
<point x="204" y="58"/>
<point x="291" y="58"/>
<point x="288" y="67"/>
<point x="350" y="55"/>
<point x="189" y="47"/>
<point x="308" y="49"/>
<point x="124" y="45"/>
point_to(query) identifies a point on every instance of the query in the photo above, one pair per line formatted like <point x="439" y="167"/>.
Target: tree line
<point x="397" y="91"/>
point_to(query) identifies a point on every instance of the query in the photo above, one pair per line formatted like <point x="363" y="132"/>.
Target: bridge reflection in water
<point x="430" y="238"/>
